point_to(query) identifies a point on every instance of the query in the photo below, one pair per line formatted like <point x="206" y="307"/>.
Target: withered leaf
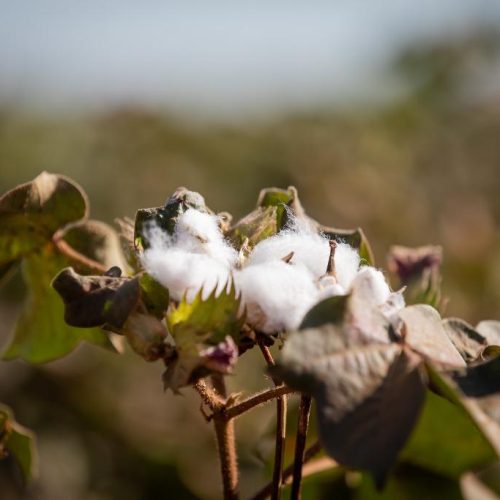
<point x="424" y="332"/>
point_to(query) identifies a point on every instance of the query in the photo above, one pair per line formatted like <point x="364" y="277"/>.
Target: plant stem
<point x="209" y="396"/>
<point x="256" y="400"/>
<point x="224" y="432"/>
<point x="279" y="453"/>
<point x="75" y="256"/>
<point x="300" y="444"/>
<point x="226" y="445"/>
<point x="288" y="472"/>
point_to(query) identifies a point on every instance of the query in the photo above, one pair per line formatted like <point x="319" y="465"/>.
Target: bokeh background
<point x="384" y="115"/>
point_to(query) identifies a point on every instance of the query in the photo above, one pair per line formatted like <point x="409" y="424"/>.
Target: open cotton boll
<point x="199" y="232"/>
<point x="372" y="284"/>
<point x="199" y="225"/>
<point x="185" y="273"/>
<point x="328" y="287"/>
<point x="346" y="264"/>
<point x="309" y="249"/>
<point x="276" y="295"/>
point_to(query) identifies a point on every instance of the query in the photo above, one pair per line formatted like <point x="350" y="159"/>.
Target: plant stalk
<point x="300" y="445"/>
<point x="226" y="445"/>
<point x="310" y="452"/>
<point x="279" y="453"/>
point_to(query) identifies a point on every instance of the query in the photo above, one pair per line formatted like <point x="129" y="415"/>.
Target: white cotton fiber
<point x="371" y="283"/>
<point x="199" y="232"/>
<point x="276" y="295"/>
<point x="185" y="273"/>
<point x="195" y="257"/>
<point x="328" y="287"/>
<point x="346" y="264"/>
<point x="309" y="249"/>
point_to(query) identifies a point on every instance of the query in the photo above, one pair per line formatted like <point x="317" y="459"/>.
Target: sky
<point x="213" y="57"/>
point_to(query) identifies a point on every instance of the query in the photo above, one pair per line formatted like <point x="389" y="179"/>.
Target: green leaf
<point x="207" y="320"/>
<point x="31" y="213"/>
<point x="282" y="200"/>
<point x="165" y="217"/>
<point x="448" y="438"/>
<point x="154" y="295"/>
<point x="408" y="482"/>
<point x="256" y="226"/>
<point x="19" y="442"/>
<point x="424" y="332"/>
<point x="203" y="331"/>
<point x="40" y="334"/>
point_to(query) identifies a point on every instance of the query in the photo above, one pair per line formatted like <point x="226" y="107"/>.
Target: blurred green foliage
<point x="421" y="169"/>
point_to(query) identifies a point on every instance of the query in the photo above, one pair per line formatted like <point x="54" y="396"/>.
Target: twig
<point x="75" y="256"/>
<point x="310" y="452"/>
<point x="226" y="442"/>
<point x="300" y="444"/>
<point x="279" y="453"/>
<point x="224" y="432"/>
<point x="256" y="400"/>
<point x="209" y="396"/>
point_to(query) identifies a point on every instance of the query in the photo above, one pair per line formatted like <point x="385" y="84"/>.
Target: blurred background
<point x="384" y="115"/>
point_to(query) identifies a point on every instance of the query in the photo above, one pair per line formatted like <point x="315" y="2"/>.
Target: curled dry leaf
<point x="424" y="332"/>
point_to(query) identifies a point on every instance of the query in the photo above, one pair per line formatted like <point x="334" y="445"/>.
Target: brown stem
<point x="300" y="444"/>
<point x="224" y="432"/>
<point x="256" y="400"/>
<point x="209" y="396"/>
<point x="279" y="453"/>
<point x="288" y="472"/>
<point x="226" y="443"/>
<point x="76" y="257"/>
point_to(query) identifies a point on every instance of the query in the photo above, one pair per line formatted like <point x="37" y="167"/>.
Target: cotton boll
<point x="309" y="249"/>
<point x="328" y="287"/>
<point x="202" y="226"/>
<point x="199" y="232"/>
<point x="276" y="295"/>
<point x="346" y="264"/>
<point x="185" y="273"/>
<point x="371" y="283"/>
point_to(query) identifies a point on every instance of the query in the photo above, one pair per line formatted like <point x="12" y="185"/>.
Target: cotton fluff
<point x="309" y="249"/>
<point x="371" y="282"/>
<point x="346" y="264"/>
<point x="276" y="295"/>
<point x="195" y="257"/>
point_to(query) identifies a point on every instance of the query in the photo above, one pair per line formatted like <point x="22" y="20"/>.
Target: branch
<point x="256" y="400"/>
<point x="279" y="452"/>
<point x="224" y="432"/>
<point x="226" y="443"/>
<point x="300" y="444"/>
<point x="209" y="396"/>
<point x="68" y="251"/>
<point x="310" y="452"/>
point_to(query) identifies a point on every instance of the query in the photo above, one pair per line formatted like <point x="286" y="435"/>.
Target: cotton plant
<point x="195" y="291"/>
<point x="279" y="280"/>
